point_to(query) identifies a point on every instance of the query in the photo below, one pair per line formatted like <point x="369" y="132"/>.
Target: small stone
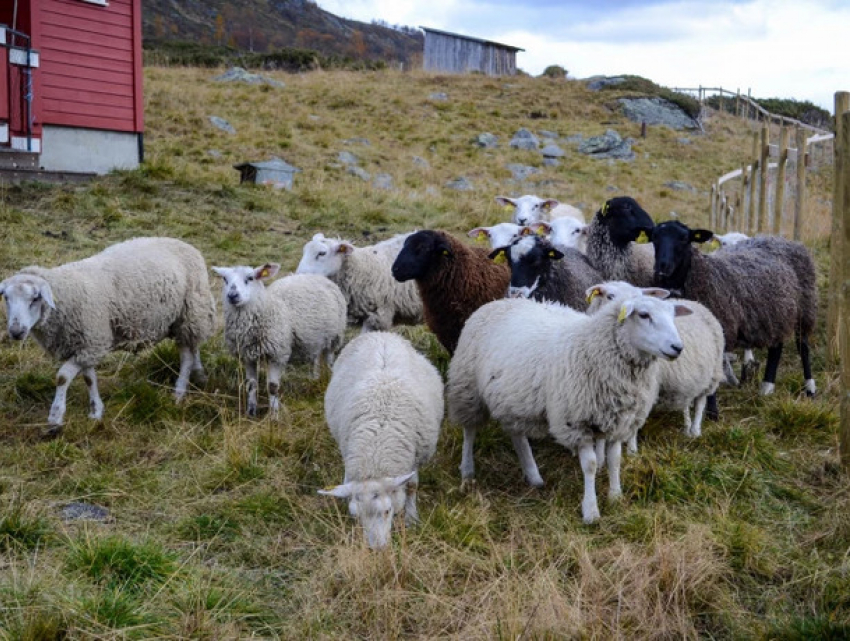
<point x="551" y="162"/>
<point x="383" y="181"/>
<point x="684" y="141"/>
<point x="678" y="185"/>
<point x="222" y="124"/>
<point x="78" y="511"/>
<point x="419" y="161"/>
<point x="359" y="172"/>
<point x="486" y="141"/>
<point x="459" y="184"/>
<point x="439" y="96"/>
<point x="524" y="139"/>
<point x="214" y="153"/>
<point x="552" y="151"/>
<point x="347" y="158"/>
<point x="521" y="172"/>
<point x="357" y="141"/>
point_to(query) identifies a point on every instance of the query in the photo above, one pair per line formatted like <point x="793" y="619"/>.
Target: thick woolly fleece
<point x="128" y="296"/>
<point x="633" y="263"/>
<point x="297" y="317"/>
<point x="384" y="407"/>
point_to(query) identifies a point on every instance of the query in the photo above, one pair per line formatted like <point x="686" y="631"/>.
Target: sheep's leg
<point x="589" y="506"/>
<point x="631" y="444"/>
<point x="467" y="462"/>
<point x="686" y="414"/>
<point x="251" y="384"/>
<point x="95" y="402"/>
<point x="750" y="367"/>
<point x="600" y="453"/>
<point x="773" y="355"/>
<point x="275" y="370"/>
<point x="64" y="377"/>
<point x="411" y="514"/>
<point x="187" y="359"/>
<point x="699" y="409"/>
<point x="198" y="368"/>
<point x="731" y="379"/>
<point x="526" y="460"/>
<point x="712" y="412"/>
<point x="805" y="359"/>
<point x="615" y="450"/>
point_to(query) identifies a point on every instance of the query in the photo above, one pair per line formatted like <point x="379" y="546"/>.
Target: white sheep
<point x="301" y="316"/>
<point x="384" y="407"/>
<point x="564" y="232"/>
<point x="694" y="376"/>
<point x="500" y="235"/>
<point x="729" y="239"/>
<point x="374" y="297"/>
<point x="130" y="295"/>
<point x="530" y="209"/>
<point x="542" y="368"/>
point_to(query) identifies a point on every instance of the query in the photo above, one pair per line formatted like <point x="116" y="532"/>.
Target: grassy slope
<point x="218" y="531"/>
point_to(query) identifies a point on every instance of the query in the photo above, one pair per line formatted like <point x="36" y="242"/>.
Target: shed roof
<point x="462" y="37"/>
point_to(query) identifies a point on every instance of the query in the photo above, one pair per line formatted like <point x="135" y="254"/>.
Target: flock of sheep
<point x="559" y="328"/>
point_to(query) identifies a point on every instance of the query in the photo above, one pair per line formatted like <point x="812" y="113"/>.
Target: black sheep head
<point x="624" y="219"/>
<point x="422" y="252"/>
<point x="529" y="258"/>
<point x="673" y="252"/>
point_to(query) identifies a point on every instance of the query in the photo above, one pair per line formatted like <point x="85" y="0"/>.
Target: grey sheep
<point x="610" y="242"/>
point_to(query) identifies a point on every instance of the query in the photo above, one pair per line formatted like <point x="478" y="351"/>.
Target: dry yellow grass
<point x="216" y="530"/>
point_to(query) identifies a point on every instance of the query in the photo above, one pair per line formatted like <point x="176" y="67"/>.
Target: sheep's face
<point x="528" y="209"/>
<point x="618" y="290"/>
<point x="374" y="503"/>
<point x="27" y="297"/>
<point x="241" y="284"/>
<point x="324" y="256"/>
<point x="422" y="252"/>
<point x="624" y="219"/>
<point x="673" y="252"/>
<point x="648" y="326"/>
<point x="529" y="258"/>
<point x="732" y="238"/>
<point x="567" y="233"/>
<point x="498" y="235"/>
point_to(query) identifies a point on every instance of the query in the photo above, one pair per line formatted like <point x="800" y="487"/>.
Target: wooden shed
<point x="454" y="53"/>
<point x="71" y="82"/>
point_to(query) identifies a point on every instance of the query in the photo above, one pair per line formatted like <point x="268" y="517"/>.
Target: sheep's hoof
<point x="200" y="378"/>
<point x="252" y="411"/>
<point x="51" y="432"/>
<point x="535" y="483"/>
<point x="590" y="516"/>
<point x="468" y="485"/>
<point x="613" y="497"/>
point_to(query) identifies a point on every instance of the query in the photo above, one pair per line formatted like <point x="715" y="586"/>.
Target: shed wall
<point x="458" y="55"/>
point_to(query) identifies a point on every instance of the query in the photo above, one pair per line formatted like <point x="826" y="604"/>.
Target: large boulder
<point x="608" y="145"/>
<point x="657" y="111"/>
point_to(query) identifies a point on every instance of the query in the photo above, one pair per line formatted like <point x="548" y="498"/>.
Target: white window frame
<point x="100" y="3"/>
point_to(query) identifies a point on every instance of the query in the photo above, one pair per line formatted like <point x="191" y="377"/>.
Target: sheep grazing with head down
<point x="130" y="295"/>
<point x="544" y="368"/>
<point x="374" y="298"/>
<point x="453" y="280"/>
<point x="762" y="290"/>
<point x="530" y="209"/>
<point x="692" y="378"/>
<point x="543" y="273"/>
<point x="301" y="316"/>
<point x="384" y="407"/>
<point x="610" y="246"/>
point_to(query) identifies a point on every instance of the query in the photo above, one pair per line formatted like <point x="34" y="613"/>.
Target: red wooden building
<point x="71" y="82"/>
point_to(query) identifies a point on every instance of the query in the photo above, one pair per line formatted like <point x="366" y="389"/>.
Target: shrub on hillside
<point x="554" y="71"/>
<point x="638" y="84"/>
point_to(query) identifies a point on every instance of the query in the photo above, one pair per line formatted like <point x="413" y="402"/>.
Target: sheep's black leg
<point x="805" y="359"/>
<point x="712" y="413"/>
<point x="773" y="355"/>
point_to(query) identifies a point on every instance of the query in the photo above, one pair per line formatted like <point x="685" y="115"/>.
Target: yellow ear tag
<point x="541" y="231"/>
<point x="714" y="244"/>
<point x="445" y="252"/>
<point x="551" y="254"/>
<point x="481" y="237"/>
<point x="642" y="238"/>
<point x="500" y="258"/>
<point x="604" y="209"/>
<point x="623" y="314"/>
<point x="508" y="207"/>
<point x="593" y="295"/>
<point x="264" y="274"/>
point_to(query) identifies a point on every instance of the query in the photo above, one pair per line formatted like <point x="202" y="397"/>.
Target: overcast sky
<point x="779" y="48"/>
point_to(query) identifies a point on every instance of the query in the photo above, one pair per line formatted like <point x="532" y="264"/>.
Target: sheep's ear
<point x="266" y="271"/>
<point x="340" y="491"/>
<point x="549" y="204"/>
<point x="682" y="310"/>
<point x="701" y="235"/>
<point x="541" y="228"/>
<point x="400" y="480"/>
<point x="499" y="256"/>
<point x="221" y="271"/>
<point x="656" y="292"/>
<point x="47" y="294"/>
<point x="504" y="201"/>
<point x="479" y="233"/>
<point x="345" y="248"/>
<point x="318" y="236"/>
<point x="555" y="254"/>
<point x="626" y="310"/>
<point x="593" y="292"/>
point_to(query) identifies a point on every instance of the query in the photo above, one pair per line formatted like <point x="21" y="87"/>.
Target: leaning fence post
<point x="836" y="249"/>
<point x="844" y="339"/>
<point x="799" y="203"/>
<point x="779" y="204"/>
<point x="763" y="162"/>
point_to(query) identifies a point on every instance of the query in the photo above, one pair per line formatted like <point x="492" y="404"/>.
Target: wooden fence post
<point x="738" y="103"/>
<point x="712" y="207"/>
<point x="751" y="230"/>
<point x="799" y="203"/>
<point x="763" y="162"/>
<point x="784" y="134"/>
<point x="833" y="315"/>
<point x="744" y="217"/>
<point x="844" y="340"/>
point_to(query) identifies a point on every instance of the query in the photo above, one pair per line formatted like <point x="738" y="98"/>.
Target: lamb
<point x="498" y="235"/>
<point x="543" y="273"/>
<point x="384" y="407"/>
<point x="453" y="280"/>
<point x="762" y="290"/>
<point x="729" y="239"/>
<point x="609" y="242"/>
<point x="564" y="232"/>
<point x="132" y="294"/>
<point x="693" y="377"/>
<point x="532" y="209"/>
<point x="301" y="315"/>
<point x="374" y="298"/>
<point x="544" y="368"/>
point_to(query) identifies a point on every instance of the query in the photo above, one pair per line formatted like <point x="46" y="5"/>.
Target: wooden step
<point x="14" y="176"/>
<point x="14" y="159"/>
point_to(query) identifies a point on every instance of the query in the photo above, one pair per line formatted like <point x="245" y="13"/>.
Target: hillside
<point x="214" y="527"/>
<point x="264" y="25"/>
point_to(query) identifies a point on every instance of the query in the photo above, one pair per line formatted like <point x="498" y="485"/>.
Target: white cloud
<point x="782" y="48"/>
